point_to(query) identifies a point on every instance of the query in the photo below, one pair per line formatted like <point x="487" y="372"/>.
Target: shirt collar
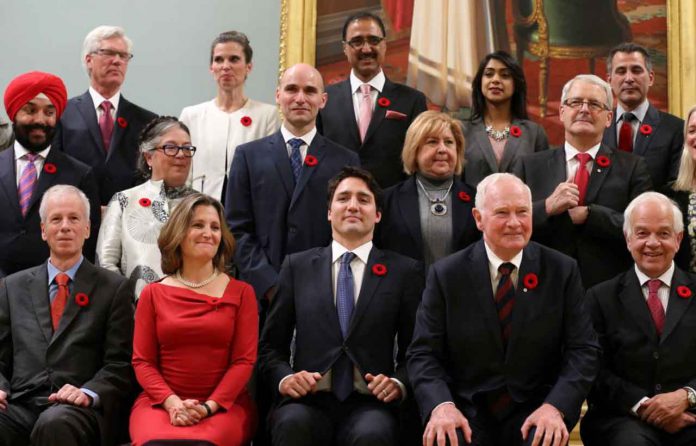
<point x="665" y="278"/>
<point x="307" y="137"/>
<point x="495" y="261"/>
<point x="362" y="251"/>
<point x="639" y="111"/>
<point x="53" y="271"/>
<point x="97" y="99"/>
<point x="20" y="151"/>
<point x="376" y="82"/>
<point x="571" y="151"/>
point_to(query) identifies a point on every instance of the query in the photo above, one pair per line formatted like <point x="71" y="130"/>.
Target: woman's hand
<point x="179" y="414"/>
<point x="195" y="410"/>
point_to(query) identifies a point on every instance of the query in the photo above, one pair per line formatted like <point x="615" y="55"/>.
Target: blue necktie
<point x="342" y="382"/>
<point x="296" y="157"/>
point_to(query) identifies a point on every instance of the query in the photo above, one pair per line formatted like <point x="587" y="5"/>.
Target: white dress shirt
<point x="377" y="84"/>
<point x="494" y="263"/>
<point x="639" y="112"/>
<point x="97" y="99"/>
<point x="572" y="162"/>
<point x="21" y="163"/>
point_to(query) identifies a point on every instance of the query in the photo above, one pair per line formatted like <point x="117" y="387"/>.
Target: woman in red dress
<point x="195" y="337"/>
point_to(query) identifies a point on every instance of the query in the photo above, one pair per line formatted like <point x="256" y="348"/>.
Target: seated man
<point x="347" y="302"/>
<point x="645" y="319"/>
<point x="66" y="330"/>
<point x="505" y="367"/>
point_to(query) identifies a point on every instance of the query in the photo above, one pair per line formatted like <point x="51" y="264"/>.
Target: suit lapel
<point x="676" y="305"/>
<point x="526" y="300"/>
<point x="277" y="151"/>
<point x="326" y="306"/>
<point x="609" y="137"/>
<point x="318" y="150"/>
<point x="86" y="108"/>
<point x="484" y="144"/>
<point x="37" y="285"/>
<point x="124" y="108"/>
<point x="631" y="297"/>
<point x="511" y="147"/>
<point x="407" y="203"/>
<point x="652" y="118"/>
<point x="461" y="212"/>
<point x="379" y="112"/>
<point x="481" y="278"/>
<point x="598" y="174"/>
<point x="345" y="106"/>
<point x="8" y="178"/>
<point x="370" y="284"/>
<point x="46" y="179"/>
<point x="83" y="284"/>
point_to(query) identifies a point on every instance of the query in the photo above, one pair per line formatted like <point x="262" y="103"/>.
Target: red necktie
<point x="582" y="176"/>
<point x="106" y="124"/>
<point x="58" y="304"/>
<point x="626" y="133"/>
<point x="505" y="299"/>
<point x="655" y="306"/>
<point x="365" y="110"/>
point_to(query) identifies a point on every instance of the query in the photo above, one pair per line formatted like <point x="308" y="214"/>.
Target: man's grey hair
<point x="61" y="190"/>
<point x="590" y="79"/>
<point x="490" y="180"/>
<point x="656" y="197"/>
<point x="103" y="32"/>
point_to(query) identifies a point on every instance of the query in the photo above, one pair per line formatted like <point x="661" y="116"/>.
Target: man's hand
<point x="443" y="425"/>
<point x="300" y="384"/>
<point x="69" y="394"/>
<point x="565" y="196"/>
<point x="549" y="426"/>
<point x="383" y="388"/>
<point x="579" y="214"/>
<point x="665" y="408"/>
<point x="686" y="419"/>
<point x="3" y="400"/>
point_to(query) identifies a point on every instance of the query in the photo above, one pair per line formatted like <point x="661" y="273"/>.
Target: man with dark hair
<point x="382" y="109"/>
<point x="637" y="125"/>
<point x="347" y="303"/>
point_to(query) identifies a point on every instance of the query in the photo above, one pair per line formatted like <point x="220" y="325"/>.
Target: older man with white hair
<point x="580" y="191"/>
<point x="644" y="394"/>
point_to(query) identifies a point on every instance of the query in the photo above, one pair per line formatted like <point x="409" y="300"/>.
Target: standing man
<point x="581" y="190"/>
<point x="66" y="329"/>
<point x="383" y="110"/>
<point x="346" y="302"/>
<point x="637" y="125"/>
<point x="34" y="102"/>
<point x="100" y="127"/>
<point x="645" y="318"/>
<point x="503" y="351"/>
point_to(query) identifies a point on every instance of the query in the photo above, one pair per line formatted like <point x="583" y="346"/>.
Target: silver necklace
<point x="197" y="284"/>
<point x="437" y="204"/>
<point x="498" y="135"/>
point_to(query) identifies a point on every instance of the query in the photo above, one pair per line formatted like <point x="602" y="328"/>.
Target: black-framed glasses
<point x="357" y="42"/>
<point x="111" y="54"/>
<point x="173" y="150"/>
<point x="577" y="103"/>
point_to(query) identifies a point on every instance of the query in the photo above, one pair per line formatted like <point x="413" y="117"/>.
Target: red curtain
<point x="399" y="12"/>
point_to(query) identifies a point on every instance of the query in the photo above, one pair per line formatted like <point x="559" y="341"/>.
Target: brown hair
<point x="175" y="229"/>
<point x="426" y="124"/>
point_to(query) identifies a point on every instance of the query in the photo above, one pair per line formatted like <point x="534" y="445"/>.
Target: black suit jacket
<point x="457" y="350"/>
<point x="91" y="347"/>
<point x="385" y="307"/>
<point x="78" y="134"/>
<point x="683" y="257"/>
<point x="380" y="153"/>
<point x="598" y="245"/>
<point x="661" y="149"/>
<point x="21" y="246"/>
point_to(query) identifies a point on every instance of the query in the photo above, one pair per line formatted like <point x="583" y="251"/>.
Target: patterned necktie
<point x="61" y="298"/>
<point x="626" y="132"/>
<point x="582" y="176"/>
<point x="106" y="124"/>
<point x="655" y="306"/>
<point x="505" y="299"/>
<point x="365" y="110"/>
<point x="27" y="183"/>
<point x="296" y="157"/>
<point x="342" y="381"/>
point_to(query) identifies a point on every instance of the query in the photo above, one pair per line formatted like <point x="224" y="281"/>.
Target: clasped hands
<point x="185" y="412"/>
<point x="303" y="383"/>
<point x="667" y="411"/>
<point x="566" y="197"/>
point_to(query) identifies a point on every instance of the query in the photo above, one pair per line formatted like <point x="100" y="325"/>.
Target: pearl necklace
<point x="498" y="135"/>
<point x="197" y="284"/>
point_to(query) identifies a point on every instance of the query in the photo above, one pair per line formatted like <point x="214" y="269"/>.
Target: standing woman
<point x="220" y="125"/>
<point x="499" y="131"/>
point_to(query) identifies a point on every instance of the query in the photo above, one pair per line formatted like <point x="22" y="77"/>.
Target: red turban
<point x="27" y="86"/>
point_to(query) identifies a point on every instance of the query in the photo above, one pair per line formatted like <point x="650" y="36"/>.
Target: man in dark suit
<point x="100" y="127"/>
<point x="346" y="302"/>
<point x="275" y="194"/>
<point x="34" y="102"/>
<point x="580" y="190"/>
<point x="382" y="109"/>
<point x="637" y="125"/>
<point x="503" y="351"/>
<point x="645" y="318"/>
<point x="66" y="330"/>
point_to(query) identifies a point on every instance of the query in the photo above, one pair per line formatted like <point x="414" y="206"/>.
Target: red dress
<point x="198" y="347"/>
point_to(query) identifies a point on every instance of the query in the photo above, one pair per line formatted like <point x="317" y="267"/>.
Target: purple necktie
<point x="27" y="183"/>
<point x="106" y="124"/>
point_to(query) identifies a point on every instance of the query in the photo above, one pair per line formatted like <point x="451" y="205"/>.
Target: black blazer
<point x="661" y="149"/>
<point x="380" y="153"/>
<point x="683" y="257"/>
<point x="21" y="246"/>
<point x="457" y="350"/>
<point x="78" y="134"/>
<point x="598" y="245"/>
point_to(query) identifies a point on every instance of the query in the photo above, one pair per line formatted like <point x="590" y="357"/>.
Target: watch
<point x="691" y="397"/>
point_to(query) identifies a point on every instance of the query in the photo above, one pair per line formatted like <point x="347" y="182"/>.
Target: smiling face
<point x="203" y="236"/>
<point x="353" y="212"/>
<point x="437" y="155"/>
<point x="630" y="79"/>
<point x="368" y="59"/>
<point x="172" y="169"/>
<point x="497" y="84"/>
<point x="107" y="73"/>
<point x="229" y="66"/>
<point x="66" y="226"/>
<point x="300" y="96"/>
<point x="582" y="125"/>
<point x="653" y="241"/>
<point x="35" y="124"/>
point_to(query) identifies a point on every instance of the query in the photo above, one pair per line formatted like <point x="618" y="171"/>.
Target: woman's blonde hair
<point x="427" y="124"/>
<point x="687" y="166"/>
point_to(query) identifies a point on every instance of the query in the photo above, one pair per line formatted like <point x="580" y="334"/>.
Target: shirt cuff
<point x="634" y="409"/>
<point x="94" y="396"/>
<point x="402" y="387"/>
<point x="442" y="404"/>
<point x="281" y="383"/>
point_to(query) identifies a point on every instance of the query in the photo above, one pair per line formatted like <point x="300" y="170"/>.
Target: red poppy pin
<point x="515" y="131"/>
<point x="646" y="129"/>
<point x="310" y="160"/>
<point x="530" y="281"/>
<point x="464" y="196"/>
<point x="383" y="102"/>
<point x="684" y="291"/>
<point x="145" y="202"/>
<point x="82" y="299"/>
<point x="50" y="168"/>
<point x="122" y="122"/>
<point x="246" y="121"/>
<point x="603" y="161"/>
<point x="379" y="270"/>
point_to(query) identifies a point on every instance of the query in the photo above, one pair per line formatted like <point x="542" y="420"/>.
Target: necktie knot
<point x="654" y="285"/>
<point x="106" y="106"/>
<point x="583" y="158"/>
<point x="61" y="279"/>
<point x="296" y="143"/>
<point x="31" y="157"/>
<point x="628" y="117"/>
<point x="347" y="257"/>
<point x="365" y="89"/>
<point x="506" y="268"/>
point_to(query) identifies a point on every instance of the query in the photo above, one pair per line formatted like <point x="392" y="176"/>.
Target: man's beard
<point x="22" y="133"/>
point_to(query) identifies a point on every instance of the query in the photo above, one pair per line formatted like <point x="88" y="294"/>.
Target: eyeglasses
<point x="173" y="150"/>
<point x="112" y="54"/>
<point x="577" y="103"/>
<point x="357" y="42"/>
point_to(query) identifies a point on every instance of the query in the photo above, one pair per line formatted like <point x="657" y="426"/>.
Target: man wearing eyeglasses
<point x="581" y="190"/>
<point x="368" y="113"/>
<point x="100" y="127"/>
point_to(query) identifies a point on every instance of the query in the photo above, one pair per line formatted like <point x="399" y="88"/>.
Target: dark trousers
<point x="59" y="424"/>
<point x="598" y="429"/>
